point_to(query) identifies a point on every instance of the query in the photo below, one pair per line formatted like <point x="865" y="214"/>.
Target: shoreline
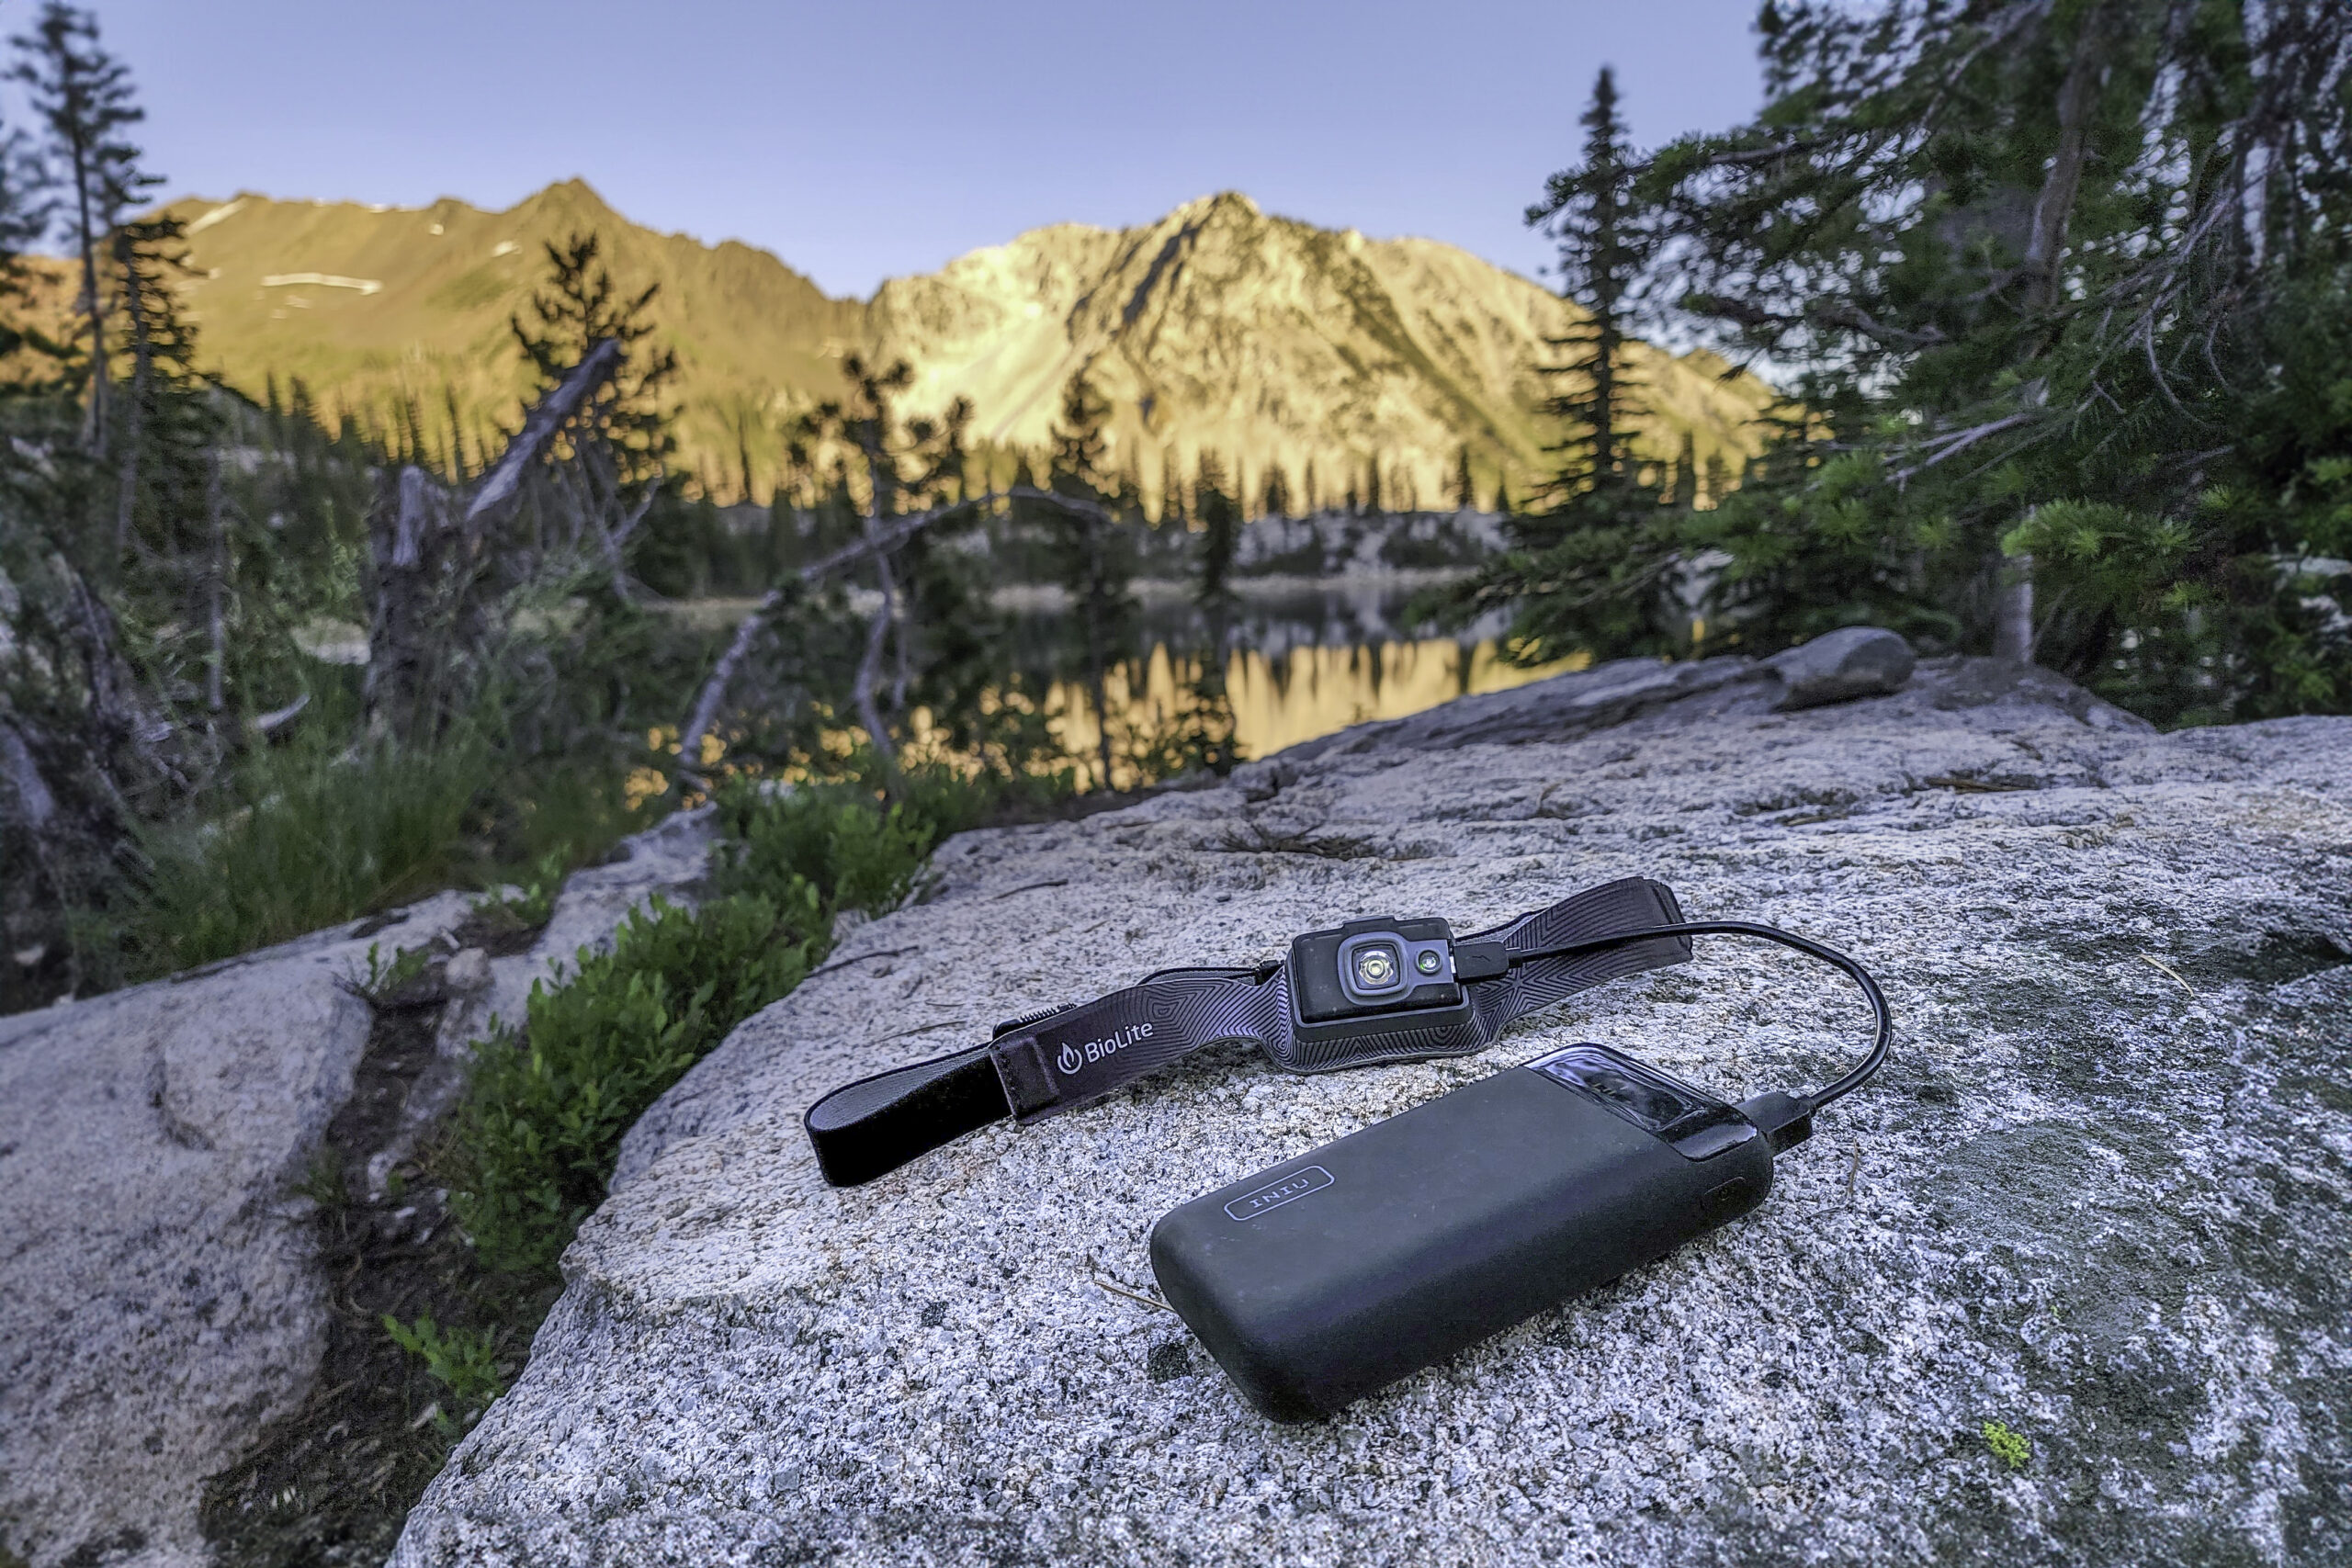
<point x="1048" y="598"/>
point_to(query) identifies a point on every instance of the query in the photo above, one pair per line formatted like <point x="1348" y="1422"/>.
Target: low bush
<point x="535" y="1140"/>
<point x="463" y="1361"/>
<point x="542" y="1121"/>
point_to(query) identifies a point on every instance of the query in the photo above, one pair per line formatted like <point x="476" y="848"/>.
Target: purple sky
<point x="861" y="139"/>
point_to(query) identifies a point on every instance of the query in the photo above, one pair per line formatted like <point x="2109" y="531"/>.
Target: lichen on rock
<point x="2098" y="1198"/>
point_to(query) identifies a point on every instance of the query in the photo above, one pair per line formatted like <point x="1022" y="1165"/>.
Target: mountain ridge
<point x="1266" y="340"/>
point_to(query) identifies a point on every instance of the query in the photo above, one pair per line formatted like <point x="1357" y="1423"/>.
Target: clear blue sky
<point x="859" y="139"/>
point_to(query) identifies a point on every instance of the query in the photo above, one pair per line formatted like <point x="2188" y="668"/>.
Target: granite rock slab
<point x="159" y="1304"/>
<point x="2101" y="1195"/>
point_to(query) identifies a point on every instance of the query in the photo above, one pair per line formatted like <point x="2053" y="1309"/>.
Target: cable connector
<point x="1785" y="1120"/>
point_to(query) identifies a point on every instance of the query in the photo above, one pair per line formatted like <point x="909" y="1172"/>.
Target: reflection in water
<point x="1305" y="658"/>
<point x="1305" y="690"/>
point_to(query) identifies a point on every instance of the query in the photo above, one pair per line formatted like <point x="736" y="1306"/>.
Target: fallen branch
<point x="506" y="478"/>
<point x="275" y="719"/>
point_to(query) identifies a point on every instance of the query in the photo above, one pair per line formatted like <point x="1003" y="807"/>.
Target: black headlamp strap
<point x="1058" y="1061"/>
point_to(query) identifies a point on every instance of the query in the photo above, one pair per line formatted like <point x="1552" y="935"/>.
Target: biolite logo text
<point x="1074" y="1055"/>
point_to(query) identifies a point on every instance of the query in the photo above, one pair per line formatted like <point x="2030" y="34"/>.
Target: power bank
<point x="1329" y="1276"/>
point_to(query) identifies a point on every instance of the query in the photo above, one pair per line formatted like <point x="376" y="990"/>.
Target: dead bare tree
<point x="431" y="623"/>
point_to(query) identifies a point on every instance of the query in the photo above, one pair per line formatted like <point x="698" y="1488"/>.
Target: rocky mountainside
<point x="1218" y="327"/>
<point x="2064" y="1284"/>
<point x="1271" y="341"/>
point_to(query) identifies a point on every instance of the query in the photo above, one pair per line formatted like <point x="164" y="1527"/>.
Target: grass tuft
<point x="317" y="838"/>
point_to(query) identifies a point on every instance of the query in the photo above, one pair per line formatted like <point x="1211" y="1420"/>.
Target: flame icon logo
<point x="1069" y="1060"/>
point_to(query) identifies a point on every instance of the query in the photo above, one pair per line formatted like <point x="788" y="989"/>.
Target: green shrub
<point x="862" y="857"/>
<point x="544" y="1113"/>
<point x="535" y="1140"/>
<point x="839" y="837"/>
<point x="463" y="1360"/>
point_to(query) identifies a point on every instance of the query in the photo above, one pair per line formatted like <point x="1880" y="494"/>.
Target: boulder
<point x="1853" y="661"/>
<point x="159" y="1306"/>
<point x="2098" y="1196"/>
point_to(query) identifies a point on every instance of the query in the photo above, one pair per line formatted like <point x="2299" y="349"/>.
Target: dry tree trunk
<point x="215" y="674"/>
<point x="141" y="373"/>
<point x="884" y="618"/>
<point x="425" y="626"/>
<point x="2045" y="248"/>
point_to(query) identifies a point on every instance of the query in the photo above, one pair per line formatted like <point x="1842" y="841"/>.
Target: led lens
<point x="1376" y="967"/>
<point x="1429" y="963"/>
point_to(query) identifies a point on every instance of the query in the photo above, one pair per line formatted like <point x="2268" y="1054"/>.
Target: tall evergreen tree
<point x="1203" y="732"/>
<point x="82" y="95"/>
<point x="164" y="425"/>
<point x="1277" y="500"/>
<point x="1603" y="242"/>
<point x="1096" y="559"/>
<point x="580" y="306"/>
<point x="1595" y="567"/>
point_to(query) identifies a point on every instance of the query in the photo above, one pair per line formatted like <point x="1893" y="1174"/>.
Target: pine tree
<point x="164" y="425"/>
<point x="1604" y="244"/>
<point x="1276" y="502"/>
<point x="1465" y="495"/>
<point x="1203" y="733"/>
<point x="83" y="97"/>
<point x="1095" y="560"/>
<point x="578" y="307"/>
<point x="1597" y="567"/>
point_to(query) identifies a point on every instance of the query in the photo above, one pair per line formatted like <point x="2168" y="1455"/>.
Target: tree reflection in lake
<point x="1303" y="657"/>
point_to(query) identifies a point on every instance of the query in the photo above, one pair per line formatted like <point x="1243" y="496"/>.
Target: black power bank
<point x="1320" y="1280"/>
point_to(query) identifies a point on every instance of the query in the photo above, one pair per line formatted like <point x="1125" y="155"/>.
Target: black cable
<point x="1829" y="955"/>
<point x="1235" y="971"/>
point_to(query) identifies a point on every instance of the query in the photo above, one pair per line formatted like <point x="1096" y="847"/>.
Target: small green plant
<point x="385" y="980"/>
<point x="2008" y="1446"/>
<point x="463" y="1360"/>
<point x="324" y="1181"/>
<point x="528" y="906"/>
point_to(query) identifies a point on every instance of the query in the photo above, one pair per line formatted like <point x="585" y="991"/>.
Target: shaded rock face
<point x="2100" y="1194"/>
<point x="160" y="1307"/>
